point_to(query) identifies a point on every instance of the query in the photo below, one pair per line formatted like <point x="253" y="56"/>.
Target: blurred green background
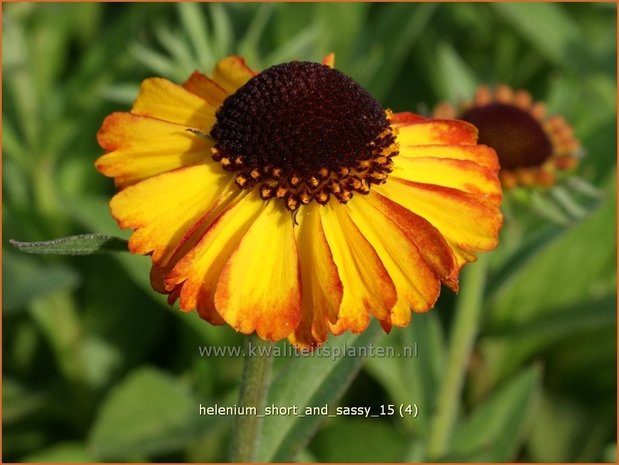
<point x="97" y="367"/>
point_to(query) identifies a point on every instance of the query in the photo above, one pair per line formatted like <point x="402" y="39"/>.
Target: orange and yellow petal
<point x="429" y="132"/>
<point x="162" y="99"/>
<point x="140" y="147"/>
<point x="205" y="88"/>
<point x="480" y="154"/>
<point x="232" y="73"/>
<point x="197" y="272"/>
<point x="429" y="241"/>
<point x="467" y="223"/>
<point x="463" y="175"/>
<point x="329" y="60"/>
<point x="416" y="285"/>
<point x="321" y="285"/>
<point x="163" y="208"/>
<point x="260" y="285"/>
<point x="367" y="287"/>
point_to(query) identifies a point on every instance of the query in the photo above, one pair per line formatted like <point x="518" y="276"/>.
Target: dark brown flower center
<point x="303" y="131"/>
<point x="518" y="138"/>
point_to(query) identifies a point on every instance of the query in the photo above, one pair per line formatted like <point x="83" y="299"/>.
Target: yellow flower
<point x="531" y="146"/>
<point x="290" y="204"/>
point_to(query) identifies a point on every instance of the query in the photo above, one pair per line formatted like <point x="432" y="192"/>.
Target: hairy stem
<point x="254" y="389"/>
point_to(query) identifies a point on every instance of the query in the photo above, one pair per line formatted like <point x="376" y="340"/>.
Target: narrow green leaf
<point x="148" y="412"/>
<point x="155" y="61"/>
<point x="194" y="24"/>
<point x="83" y="244"/>
<point x="549" y="30"/>
<point x="339" y="442"/>
<point x="312" y="381"/>
<point x="414" y="378"/>
<point x="400" y="27"/>
<point x="572" y="425"/>
<point x="495" y="429"/>
<point x="299" y="45"/>
<point x="451" y="64"/>
<point x="249" y="45"/>
<point x="547" y="208"/>
<point x="564" y="198"/>
<point x="123" y="93"/>
<point x="342" y="25"/>
<point x="223" y="35"/>
<point x="575" y="271"/>
<point x="57" y="318"/>
<point x="179" y="50"/>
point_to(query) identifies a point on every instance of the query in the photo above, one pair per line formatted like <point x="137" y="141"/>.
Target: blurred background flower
<point x="97" y="367"/>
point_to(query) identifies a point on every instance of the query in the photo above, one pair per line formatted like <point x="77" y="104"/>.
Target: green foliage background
<point x="97" y="367"/>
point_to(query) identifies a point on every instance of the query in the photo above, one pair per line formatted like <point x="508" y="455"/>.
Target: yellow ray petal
<point x="203" y="87"/>
<point x="232" y="73"/>
<point x="163" y="208"/>
<point x="259" y="288"/>
<point x="190" y="239"/>
<point x="464" y="175"/>
<point x="433" y="247"/>
<point x="140" y="147"/>
<point x="427" y="132"/>
<point x="416" y="284"/>
<point x="162" y="99"/>
<point x="481" y="154"/>
<point x="322" y="287"/>
<point x="368" y="289"/>
<point x="467" y="223"/>
<point x="198" y="271"/>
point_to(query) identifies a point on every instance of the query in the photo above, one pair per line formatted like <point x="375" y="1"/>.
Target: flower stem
<point x="464" y="332"/>
<point x="254" y="389"/>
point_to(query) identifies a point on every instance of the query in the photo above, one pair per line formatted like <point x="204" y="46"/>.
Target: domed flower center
<point x="303" y="131"/>
<point x="518" y="138"/>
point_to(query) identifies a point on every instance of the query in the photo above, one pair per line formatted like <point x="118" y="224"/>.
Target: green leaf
<point x="25" y="279"/>
<point x="57" y="318"/>
<point x="549" y="29"/>
<point x="18" y="401"/>
<point x="64" y="452"/>
<point x="413" y="379"/>
<point x="83" y="244"/>
<point x="450" y="64"/>
<point x="567" y="270"/>
<point x="223" y="33"/>
<point x="194" y="24"/>
<point x="148" y="412"/>
<point x="248" y="45"/>
<point x="178" y="48"/>
<point x="399" y="28"/>
<point x="155" y="61"/>
<point x="300" y="44"/>
<point x="572" y="426"/>
<point x="339" y="442"/>
<point x="495" y="429"/>
<point x="565" y="288"/>
<point x="312" y="381"/>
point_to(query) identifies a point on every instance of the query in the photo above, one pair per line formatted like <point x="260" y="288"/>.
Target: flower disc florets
<point x="303" y="131"/>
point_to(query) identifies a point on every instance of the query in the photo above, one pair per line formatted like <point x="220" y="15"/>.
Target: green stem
<point x="464" y="332"/>
<point x="254" y="389"/>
